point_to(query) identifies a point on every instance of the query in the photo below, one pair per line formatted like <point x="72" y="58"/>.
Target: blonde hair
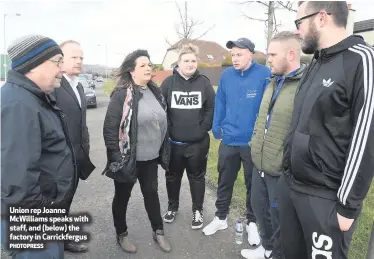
<point x="69" y="42"/>
<point x="294" y="41"/>
<point x="188" y="49"/>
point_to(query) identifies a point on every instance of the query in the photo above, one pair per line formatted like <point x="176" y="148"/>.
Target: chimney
<point x="351" y="19"/>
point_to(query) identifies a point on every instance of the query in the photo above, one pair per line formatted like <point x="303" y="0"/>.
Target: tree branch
<point x="205" y="32"/>
<point x="168" y="42"/>
<point x="186" y="27"/>
<point x="255" y="19"/>
<point x="288" y="5"/>
<point x="263" y="3"/>
<point x="246" y="2"/>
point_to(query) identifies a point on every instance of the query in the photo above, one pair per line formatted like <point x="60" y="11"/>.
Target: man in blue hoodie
<point x="237" y="104"/>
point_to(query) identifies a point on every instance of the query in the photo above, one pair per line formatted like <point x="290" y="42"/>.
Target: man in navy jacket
<point x="237" y="103"/>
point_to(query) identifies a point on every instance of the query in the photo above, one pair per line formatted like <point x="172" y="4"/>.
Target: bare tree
<point x="185" y="29"/>
<point x="271" y="23"/>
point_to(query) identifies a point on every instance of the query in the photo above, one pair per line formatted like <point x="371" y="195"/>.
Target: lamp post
<point x="4" y="61"/>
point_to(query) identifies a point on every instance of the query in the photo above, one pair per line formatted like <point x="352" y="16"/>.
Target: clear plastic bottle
<point x="239" y="232"/>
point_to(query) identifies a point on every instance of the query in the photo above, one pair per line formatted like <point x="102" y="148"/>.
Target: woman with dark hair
<point x="136" y="139"/>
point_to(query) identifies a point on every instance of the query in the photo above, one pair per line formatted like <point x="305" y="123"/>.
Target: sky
<point x="110" y="29"/>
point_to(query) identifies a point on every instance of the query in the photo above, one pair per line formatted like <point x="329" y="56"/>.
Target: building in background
<point x="210" y="53"/>
<point x="365" y="29"/>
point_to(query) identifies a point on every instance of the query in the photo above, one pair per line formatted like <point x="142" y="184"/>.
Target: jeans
<point x="53" y="250"/>
<point x="266" y="208"/>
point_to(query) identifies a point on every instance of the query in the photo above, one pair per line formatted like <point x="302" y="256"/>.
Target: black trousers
<point x="309" y="226"/>
<point x="229" y="163"/>
<point x="193" y="158"/>
<point x="265" y="205"/>
<point x="68" y="206"/>
<point x="147" y="176"/>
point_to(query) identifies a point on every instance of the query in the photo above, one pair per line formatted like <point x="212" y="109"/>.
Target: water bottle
<point x="239" y="232"/>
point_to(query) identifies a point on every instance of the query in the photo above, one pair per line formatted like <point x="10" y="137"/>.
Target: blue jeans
<point x="53" y="250"/>
<point x="265" y="204"/>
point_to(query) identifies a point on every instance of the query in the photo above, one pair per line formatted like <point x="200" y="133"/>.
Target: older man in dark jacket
<point x="37" y="159"/>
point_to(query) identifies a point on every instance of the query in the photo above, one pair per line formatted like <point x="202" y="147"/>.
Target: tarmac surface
<point x="95" y="195"/>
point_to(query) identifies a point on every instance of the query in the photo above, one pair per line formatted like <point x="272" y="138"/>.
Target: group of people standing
<point x="302" y="133"/>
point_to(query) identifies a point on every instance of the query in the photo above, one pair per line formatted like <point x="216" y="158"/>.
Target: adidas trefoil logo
<point x="327" y="83"/>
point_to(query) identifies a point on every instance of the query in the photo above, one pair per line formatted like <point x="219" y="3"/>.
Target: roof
<point x="362" y="26"/>
<point x="210" y="52"/>
<point x="159" y="76"/>
<point x="259" y="56"/>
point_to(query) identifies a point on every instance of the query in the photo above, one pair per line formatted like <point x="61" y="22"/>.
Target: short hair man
<point x="70" y="98"/>
<point x="237" y="103"/>
<point x="270" y="131"/>
<point x="37" y="159"/>
<point x="328" y="156"/>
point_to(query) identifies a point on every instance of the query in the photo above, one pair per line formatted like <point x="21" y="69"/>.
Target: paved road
<point x="95" y="197"/>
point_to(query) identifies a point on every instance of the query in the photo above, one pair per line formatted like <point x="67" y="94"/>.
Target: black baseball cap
<point x="242" y="43"/>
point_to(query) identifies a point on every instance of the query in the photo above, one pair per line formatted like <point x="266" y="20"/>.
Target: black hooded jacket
<point x="190" y="106"/>
<point x="330" y="151"/>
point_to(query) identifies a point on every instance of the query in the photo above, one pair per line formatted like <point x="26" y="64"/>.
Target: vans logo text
<point x="327" y="83"/>
<point x="184" y="100"/>
<point x="322" y="245"/>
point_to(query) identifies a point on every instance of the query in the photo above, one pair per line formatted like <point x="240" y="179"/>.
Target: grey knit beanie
<point x="30" y="51"/>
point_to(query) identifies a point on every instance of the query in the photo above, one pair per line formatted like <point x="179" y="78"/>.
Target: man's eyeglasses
<point x="298" y="21"/>
<point x="57" y="62"/>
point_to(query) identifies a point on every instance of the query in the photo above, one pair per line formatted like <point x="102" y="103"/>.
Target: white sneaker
<point x="253" y="236"/>
<point x="214" y="226"/>
<point x="258" y="253"/>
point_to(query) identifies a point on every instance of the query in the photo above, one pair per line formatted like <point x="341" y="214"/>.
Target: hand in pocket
<point x="344" y="223"/>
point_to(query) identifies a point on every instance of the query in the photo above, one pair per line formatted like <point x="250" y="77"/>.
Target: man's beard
<point x="282" y="69"/>
<point x="310" y="41"/>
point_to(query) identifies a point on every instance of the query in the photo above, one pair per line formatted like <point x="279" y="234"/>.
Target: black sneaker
<point x="197" y="219"/>
<point x="169" y="216"/>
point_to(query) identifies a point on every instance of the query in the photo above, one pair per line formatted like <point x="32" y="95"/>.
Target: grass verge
<point x="108" y="87"/>
<point x="359" y="245"/>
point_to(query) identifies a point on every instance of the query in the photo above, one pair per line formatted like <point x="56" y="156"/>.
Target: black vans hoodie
<point x="190" y="106"/>
<point x="330" y="152"/>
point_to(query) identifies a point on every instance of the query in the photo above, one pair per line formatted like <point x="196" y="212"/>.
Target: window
<point x="210" y="57"/>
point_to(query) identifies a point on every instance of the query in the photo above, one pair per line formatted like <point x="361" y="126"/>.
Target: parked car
<point x="99" y="79"/>
<point x="89" y="79"/>
<point x="89" y="93"/>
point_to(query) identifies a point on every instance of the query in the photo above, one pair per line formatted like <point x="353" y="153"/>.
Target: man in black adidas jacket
<point x="190" y="98"/>
<point x="329" y="153"/>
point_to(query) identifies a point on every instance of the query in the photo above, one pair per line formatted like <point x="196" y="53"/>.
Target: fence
<point x="213" y="73"/>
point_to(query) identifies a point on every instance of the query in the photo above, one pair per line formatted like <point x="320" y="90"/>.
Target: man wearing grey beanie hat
<point x="38" y="169"/>
<point x="32" y="55"/>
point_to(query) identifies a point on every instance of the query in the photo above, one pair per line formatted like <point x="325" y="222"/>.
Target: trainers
<point x="214" y="226"/>
<point x="253" y="236"/>
<point x="259" y="252"/>
<point x="169" y="216"/>
<point x="197" y="219"/>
